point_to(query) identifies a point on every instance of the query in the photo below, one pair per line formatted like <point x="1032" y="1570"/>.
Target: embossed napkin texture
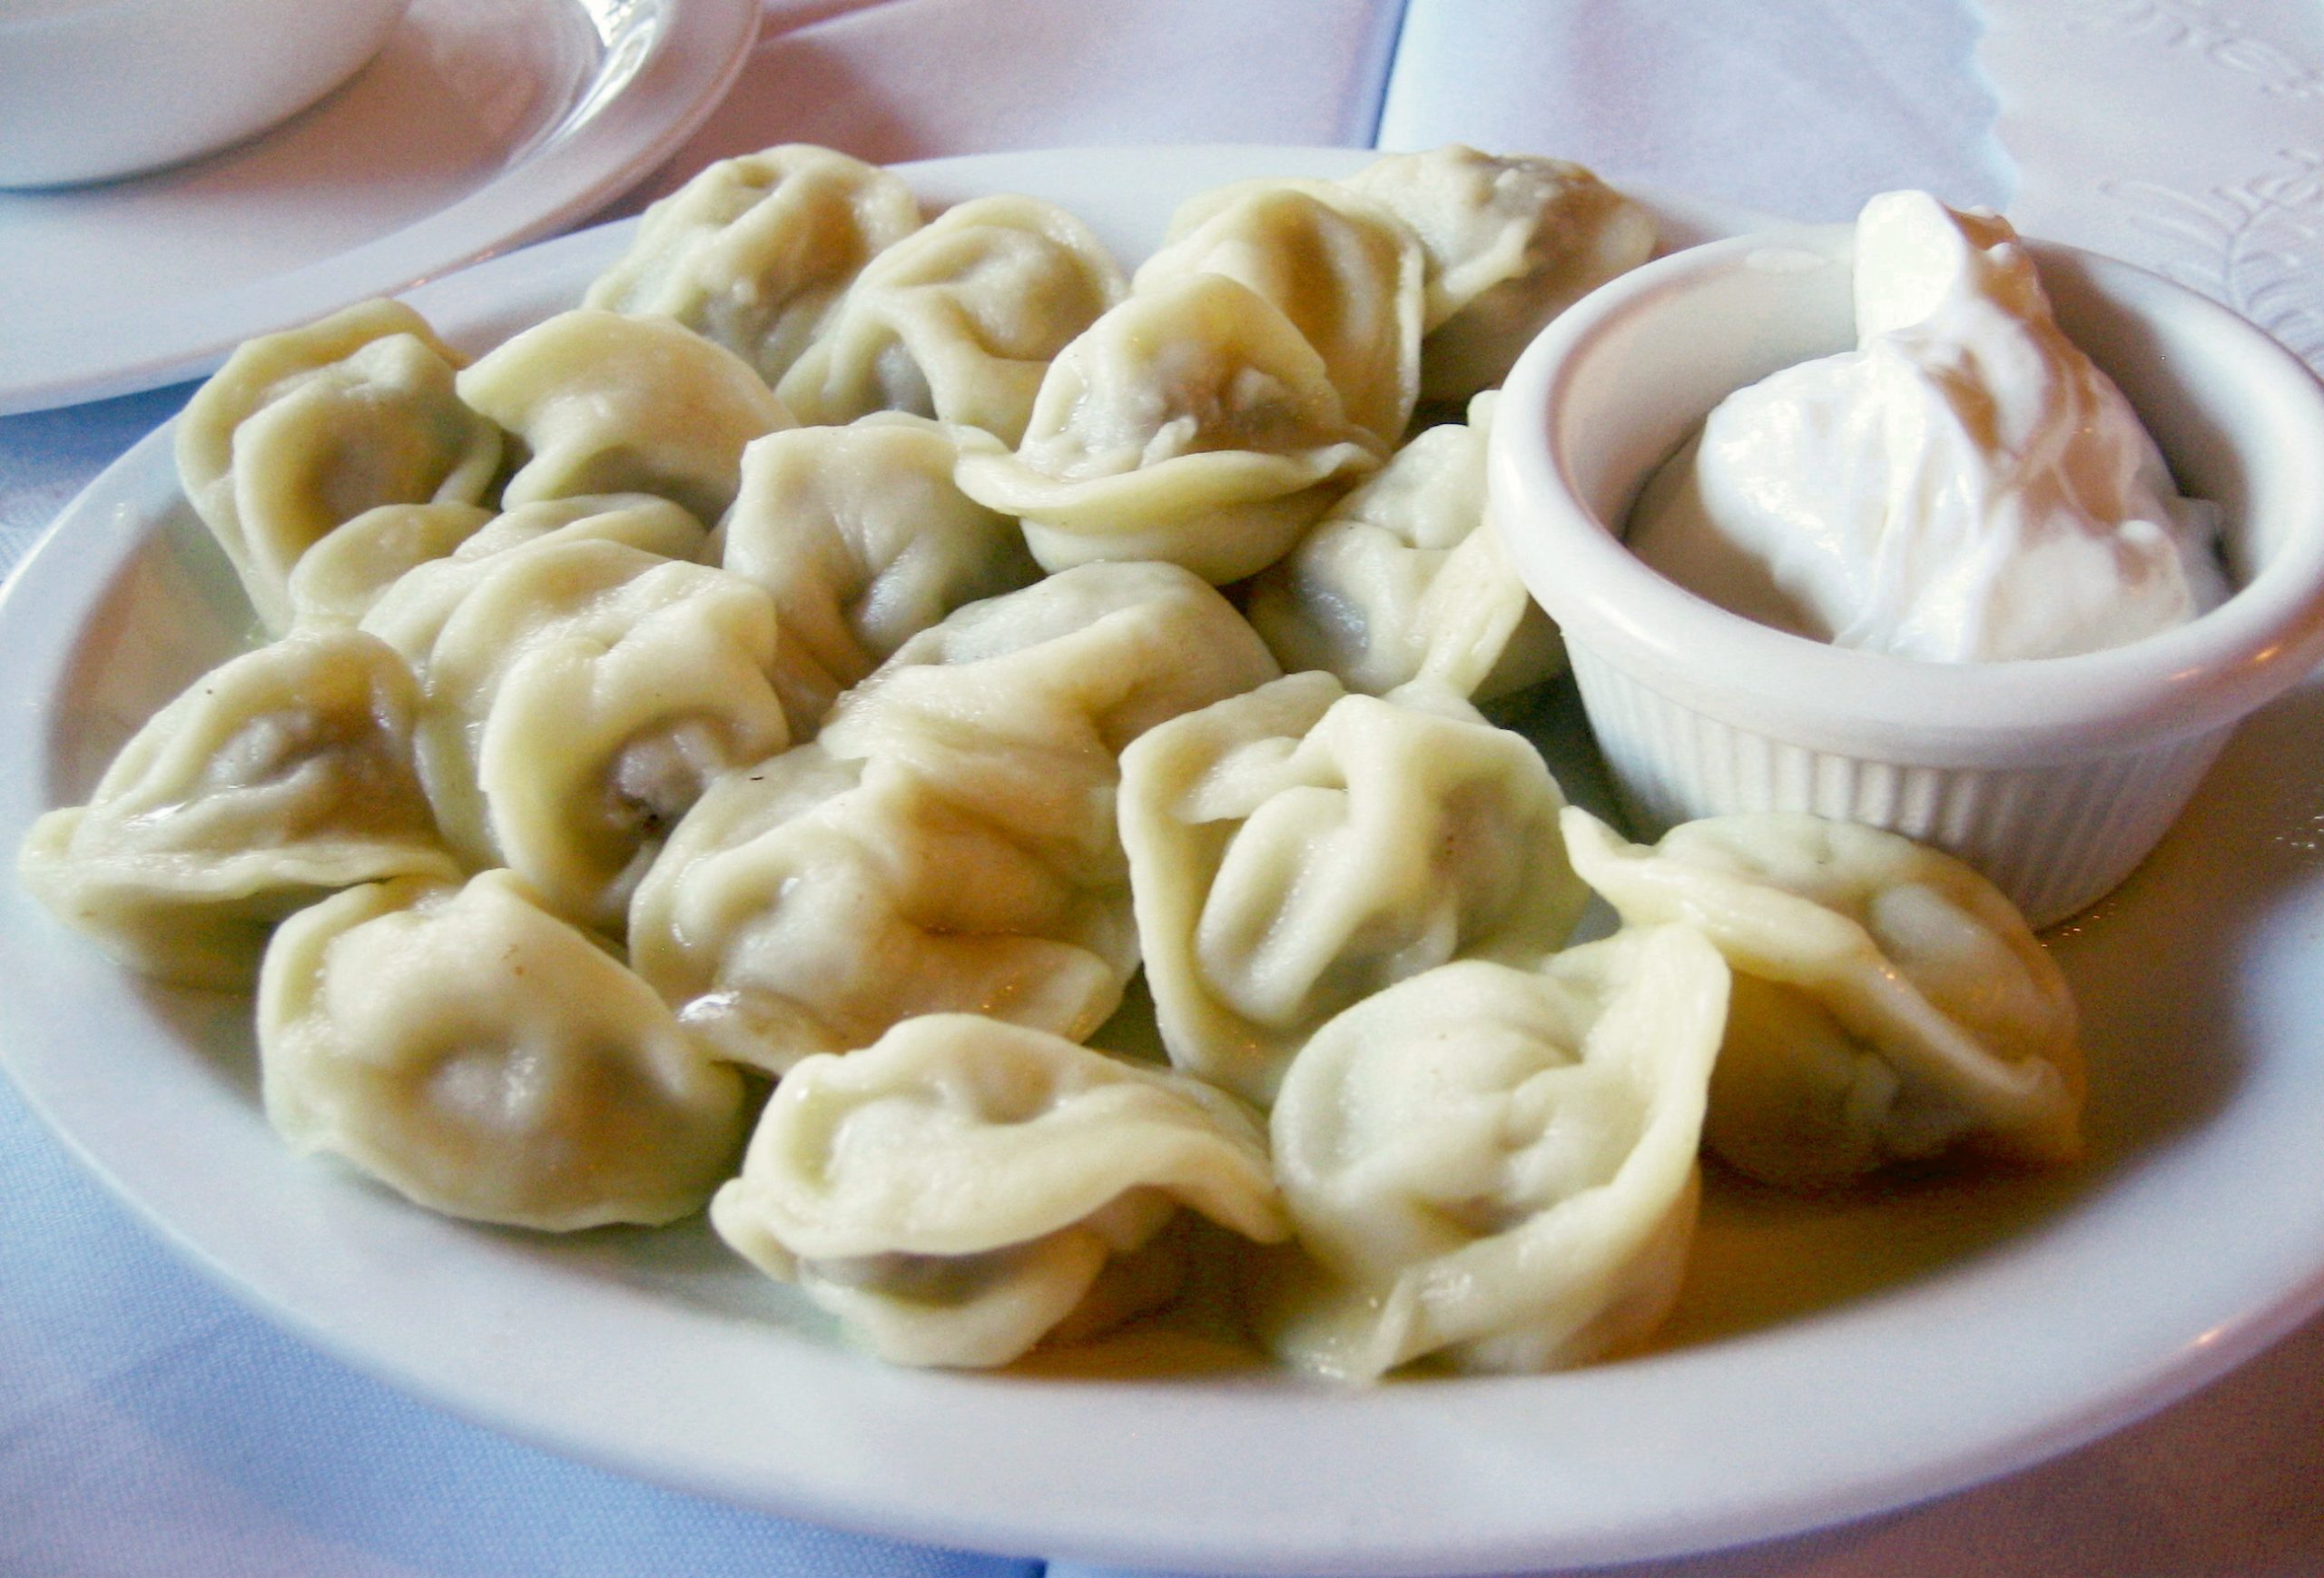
<point x="2185" y="135"/>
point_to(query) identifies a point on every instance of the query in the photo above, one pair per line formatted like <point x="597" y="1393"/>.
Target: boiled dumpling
<point x="1495" y="1167"/>
<point x="1020" y="706"/>
<point x="959" y="321"/>
<point x="337" y="580"/>
<point x="377" y="570"/>
<point x="1194" y="423"/>
<point x="579" y="698"/>
<point x="810" y="903"/>
<point x="1344" y="270"/>
<point x="488" y="1059"/>
<point x="947" y="843"/>
<point x="1511" y="240"/>
<point x="755" y="251"/>
<point x="864" y="541"/>
<point x="608" y="404"/>
<point x="1296" y="849"/>
<point x="304" y="430"/>
<point x="273" y="780"/>
<point x="1405" y="579"/>
<point x="966" y="1187"/>
<point x="1890" y="1004"/>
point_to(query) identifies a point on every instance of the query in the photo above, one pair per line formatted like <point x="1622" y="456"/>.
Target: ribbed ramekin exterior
<point x="2055" y="839"/>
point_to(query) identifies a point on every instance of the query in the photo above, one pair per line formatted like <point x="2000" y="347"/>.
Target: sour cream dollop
<point x="1965" y="485"/>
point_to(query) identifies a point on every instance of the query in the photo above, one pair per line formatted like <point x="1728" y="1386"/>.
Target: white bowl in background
<point x="2054" y="776"/>
<point x="93" y="88"/>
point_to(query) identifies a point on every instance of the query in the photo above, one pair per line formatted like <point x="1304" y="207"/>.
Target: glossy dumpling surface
<point x="488" y="1059"/>
<point x="962" y="1188"/>
<point x="1020" y="706"/>
<point x="1405" y="579"/>
<point x="1193" y="423"/>
<point x="947" y="844"/>
<point x="1296" y="849"/>
<point x="959" y="321"/>
<point x="302" y="431"/>
<point x="603" y="403"/>
<point x="863" y="540"/>
<point x="1496" y="1167"/>
<point x="276" y="778"/>
<point x="810" y="903"/>
<point x="1345" y="271"/>
<point x="385" y="569"/>
<point x="754" y="252"/>
<point x="1511" y="240"/>
<point x="1890" y="1004"/>
<point x="579" y="697"/>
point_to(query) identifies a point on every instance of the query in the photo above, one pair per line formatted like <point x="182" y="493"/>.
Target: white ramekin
<point x="2054" y="776"/>
<point x="92" y="89"/>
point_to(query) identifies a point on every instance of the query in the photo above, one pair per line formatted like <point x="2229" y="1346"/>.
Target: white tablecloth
<point x="149" y="1426"/>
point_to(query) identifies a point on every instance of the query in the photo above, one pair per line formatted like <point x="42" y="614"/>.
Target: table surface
<point x="150" y="1425"/>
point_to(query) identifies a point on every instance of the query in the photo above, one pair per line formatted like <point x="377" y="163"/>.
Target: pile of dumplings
<point x="734" y="743"/>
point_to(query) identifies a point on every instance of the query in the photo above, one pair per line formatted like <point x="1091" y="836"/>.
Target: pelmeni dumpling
<point x="1511" y="242"/>
<point x="1193" y="423"/>
<point x="304" y="430"/>
<point x="1019" y="706"/>
<point x="488" y="1059"/>
<point x="959" y="321"/>
<point x="1344" y="270"/>
<point x="337" y="580"/>
<point x="1404" y="579"/>
<point x="376" y="569"/>
<point x="1296" y="850"/>
<point x="754" y="252"/>
<point x="579" y="697"/>
<point x="966" y="1187"/>
<point x="1496" y="1167"/>
<point x="863" y="540"/>
<point x="1890" y="1004"/>
<point x="608" y="404"/>
<point x="810" y="903"/>
<point x="273" y="780"/>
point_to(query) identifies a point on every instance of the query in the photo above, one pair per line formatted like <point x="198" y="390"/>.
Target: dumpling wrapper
<point x="810" y="903"/>
<point x="1019" y="708"/>
<point x="754" y="251"/>
<point x="398" y="549"/>
<point x="1193" y="423"/>
<point x="947" y="844"/>
<point x="305" y="429"/>
<point x="490" y="1061"/>
<point x="1890" y="1004"/>
<point x="1496" y="1167"/>
<point x="602" y="403"/>
<point x="1406" y="580"/>
<point x="1345" y="271"/>
<point x="282" y="776"/>
<point x="579" y="698"/>
<point x="863" y="540"/>
<point x="965" y="1188"/>
<point x="1511" y="240"/>
<point x="1296" y="849"/>
<point x="959" y="321"/>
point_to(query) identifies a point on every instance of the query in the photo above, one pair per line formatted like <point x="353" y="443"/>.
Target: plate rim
<point x="697" y="51"/>
<point x="1181" y="1413"/>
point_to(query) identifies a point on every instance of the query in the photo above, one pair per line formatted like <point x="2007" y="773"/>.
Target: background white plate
<point x="479" y="125"/>
<point x="1829" y="1358"/>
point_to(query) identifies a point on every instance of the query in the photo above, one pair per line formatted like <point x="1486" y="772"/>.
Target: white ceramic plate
<point x="481" y="124"/>
<point x="1829" y="1358"/>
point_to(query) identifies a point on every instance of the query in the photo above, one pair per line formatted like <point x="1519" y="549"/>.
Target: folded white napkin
<point x="2187" y="138"/>
<point x="890" y="80"/>
<point x="1802" y="108"/>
